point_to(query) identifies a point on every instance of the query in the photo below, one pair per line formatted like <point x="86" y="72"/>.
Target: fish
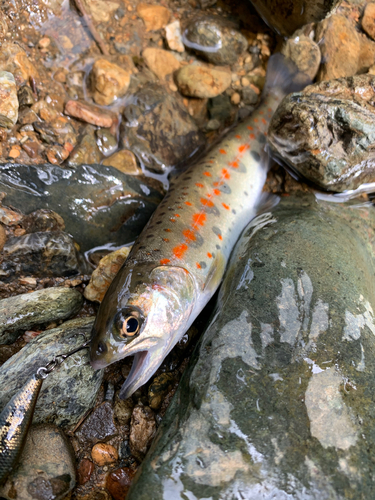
<point x="178" y="261"/>
<point x="15" y="420"/>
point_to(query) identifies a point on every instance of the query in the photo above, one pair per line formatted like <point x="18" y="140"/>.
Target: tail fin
<point x="283" y="76"/>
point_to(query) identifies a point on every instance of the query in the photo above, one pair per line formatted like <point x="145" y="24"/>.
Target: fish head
<point x="142" y="318"/>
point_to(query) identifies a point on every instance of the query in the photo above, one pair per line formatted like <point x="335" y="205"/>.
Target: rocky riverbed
<point x="102" y="104"/>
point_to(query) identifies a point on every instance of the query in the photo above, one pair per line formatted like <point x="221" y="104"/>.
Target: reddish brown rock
<point x="104" y="454"/>
<point x="89" y="113"/>
<point x="85" y="470"/>
<point x="119" y="481"/>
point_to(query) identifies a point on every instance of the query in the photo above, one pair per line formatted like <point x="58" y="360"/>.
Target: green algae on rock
<point x="69" y="391"/>
<point x="326" y="133"/>
<point x="277" y="401"/>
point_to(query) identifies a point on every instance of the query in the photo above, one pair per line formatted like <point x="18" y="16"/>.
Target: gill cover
<point x="152" y="320"/>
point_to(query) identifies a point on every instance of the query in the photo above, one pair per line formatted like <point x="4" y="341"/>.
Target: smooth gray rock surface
<point x="277" y="402"/>
<point x="28" y="309"/>
<point x="69" y="391"/>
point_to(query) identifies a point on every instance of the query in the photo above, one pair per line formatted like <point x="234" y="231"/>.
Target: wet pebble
<point x="84" y="471"/>
<point x="109" y="81"/>
<point x="8" y="100"/>
<point x="89" y="113"/>
<point x="123" y="410"/>
<point x="68" y="392"/>
<point x="46" y="467"/>
<point x="368" y="20"/>
<point x="125" y="161"/>
<point x="106" y="142"/>
<point x="198" y="80"/>
<point x="142" y="430"/>
<point x="99" y="425"/>
<point x="25" y="96"/>
<point x="305" y="54"/>
<point x="159" y="130"/>
<point x="161" y="62"/>
<point x="216" y="39"/>
<point x="326" y="133"/>
<point x="105" y="272"/>
<point x="26" y="310"/>
<point x="159" y="388"/>
<point x="119" y="481"/>
<point x="41" y="254"/>
<point x="14" y="59"/>
<point x="86" y="151"/>
<point x="155" y="17"/>
<point x="104" y="454"/>
<point x="173" y="36"/>
<point x="3" y="237"/>
<point x="43" y="220"/>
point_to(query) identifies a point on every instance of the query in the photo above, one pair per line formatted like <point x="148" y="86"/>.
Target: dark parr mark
<point x="255" y="155"/>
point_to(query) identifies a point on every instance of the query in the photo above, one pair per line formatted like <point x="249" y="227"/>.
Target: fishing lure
<point x="16" y="417"/>
<point x="179" y="259"/>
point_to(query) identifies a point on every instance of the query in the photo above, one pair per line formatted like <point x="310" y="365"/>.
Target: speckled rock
<point x="305" y="54"/>
<point x="99" y="426"/>
<point x="286" y="16"/>
<point x="41" y="255"/>
<point x="125" y="161"/>
<point x="277" y="402"/>
<point x="42" y="220"/>
<point x="106" y="142"/>
<point x="14" y="59"/>
<point x="216" y="39"/>
<point x="99" y="204"/>
<point x="198" y="80"/>
<point x="86" y="151"/>
<point x="109" y="82"/>
<point x="26" y="310"/>
<point x="8" y="99"/>
<point x="326" y="133"/>
<point x="142" y="430"/>
<point x="46" y="467"/>
<point x="159" y="130"/>
<point x="69" y="391"/>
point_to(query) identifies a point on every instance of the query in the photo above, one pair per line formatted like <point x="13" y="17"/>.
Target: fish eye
<point x="128" y="323"/>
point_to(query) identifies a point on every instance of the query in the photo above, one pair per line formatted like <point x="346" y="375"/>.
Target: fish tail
<point x="283" y="76"/>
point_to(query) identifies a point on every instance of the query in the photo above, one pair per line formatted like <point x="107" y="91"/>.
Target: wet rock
<point x="119" y="481"/>
<point x="32" y="148"/>
<point x="8" y="99"/>
<point x="3" y="237"/>
<point x="368" y="20"/>
<point x="43" y="220"/>
<point x="25" y="96"/>
<point x="197" y="80"/>
<point x="142" y="430"/>
<point x="99" y="204"/>
<point x="219" y="108"/>
<point x="250" y="95"/>
<point x="99" y="425"/>
<point x="155" y="17"/>
<point x="161" y="62"/>
<point x="46" y="467"/>
<point x="109" y="81"/>
<point x="104" y="454"/>
<point x="41" y="254"/>
<point x="102" y="10"/>
<point x="89" y="113"/>
<point x="125" y="161"/>
<point x="85" y="469"/>
<point x="286" y="16"/>
<point x="305" y="54"/>
<point x="326" y="133"/>
<point x="14" y="59"/>
<point x="159" y="388"/>
<point x="216" y="39"/>
<point x="123" y="410"/>
<point x="275" y="402"/>
<point x="159" y="130"/>
<point x="68" y="392"/>
<point x="173" y="36"/>
<point x="9" y="217"/>
<point x="106" y="142"/>
<point x="27" y="116"/>
<point x="103" y="275"/>
<point x="87" y="152"/>
<point x="26" y="310"/>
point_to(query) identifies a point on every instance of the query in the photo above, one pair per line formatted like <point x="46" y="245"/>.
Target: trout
<point x="178" y="261"/>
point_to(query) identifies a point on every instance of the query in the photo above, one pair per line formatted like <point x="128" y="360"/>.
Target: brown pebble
<point x="85" y="470"/>
<point x="155" y="17"/>
<point x="104" y="454"/>
<point x="28" y="281"/>
<point x="14" y="153"/>
<point x="32" y="148"/>
<point x="89" y="113"/>
<point x="142" y="430"/>
<point x="119" y="481"/>
<point x="3" y="237"/>
<point x="368" y="20"/>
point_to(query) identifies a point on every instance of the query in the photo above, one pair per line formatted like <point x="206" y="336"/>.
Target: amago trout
<point x="179" y="259"/>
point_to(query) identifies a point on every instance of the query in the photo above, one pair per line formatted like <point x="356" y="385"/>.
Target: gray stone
<point x="277" y="400"/>
<point x="99" y="204"/>
<point x="41" y="254"/>
<point x="159" y="130"/>
<point x="216" y="39"/>
<point x="69" y="391"/>
<point x="305" y="54"/>
<point x="326" y="133"/>
<point x="26" y="310"/>
<point x="46" y="468"/>
<point x="106" y="141"/>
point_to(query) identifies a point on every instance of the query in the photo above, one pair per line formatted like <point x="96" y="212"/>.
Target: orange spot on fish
<point x="199" y="219"/>
<point x="250" y="127"/>
<point x="198" y="184"/>
<point x="264" y="121"/>
<point x="189" y="235"/>
<point x="168" y="230"/>
<point x="233" y="164"/>
<point x="198" y="265"/>
<point x="243" y="148"/>
<point x="252" y="136"/>
<point x="164" y="261"/>
<point x="225" y="206"/>
<point x="222" y="151"/>
<point x="179" y="250"/>
<point x="225" y="173"/>
<point x="256" y="120"/>
<point x="207" y="203"/>
<point x="166" y="240"/>
<point x="188" y="203"/>
<point x="210" y="161"/>
<point x="217" y="192"/>
<point x="172" y="219"/>
<point x="207" y="174"/>
<point x="261" y="112"/>
<point x="177" y="215"/>
<point x="209" y="255"/>
<point x="269" y="110"/>
<point x="237" y="136"/>
<point x="265" y="133"/>
<point x="219" y="236"/>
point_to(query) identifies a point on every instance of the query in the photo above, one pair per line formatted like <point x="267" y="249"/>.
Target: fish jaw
<point x="165" y="303"/>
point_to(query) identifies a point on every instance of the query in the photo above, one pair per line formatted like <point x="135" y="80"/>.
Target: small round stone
<point x="236" y="98"/>
<point x="104" y="454"/>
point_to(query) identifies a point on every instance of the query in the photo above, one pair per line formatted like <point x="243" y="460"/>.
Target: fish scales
<point x="178" y="261"/>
